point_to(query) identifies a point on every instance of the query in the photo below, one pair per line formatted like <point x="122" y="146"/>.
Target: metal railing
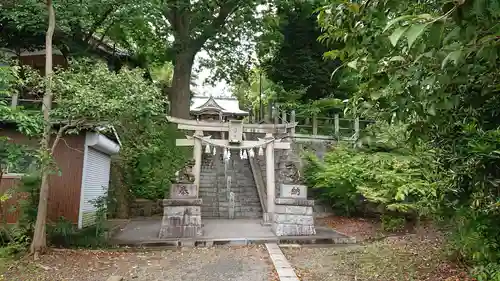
<point x="317" y="127"/>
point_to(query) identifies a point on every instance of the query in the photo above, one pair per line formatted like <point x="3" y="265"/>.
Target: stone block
<point x="180" y="231"/>
<point x="294" y="201"/>
<point x="293" y="210"/>
<point x="183" y="202"/>
<point x="293" y="229"/>
<point x="181" y="210"/>
<point x="183" y="190"/>
<point x="293" y="191"/>
<point x="293" y="219"/>
<point x="181" y="221"/>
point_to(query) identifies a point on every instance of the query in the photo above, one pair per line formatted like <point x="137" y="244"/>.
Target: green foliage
<point x="488" y="272"/>
<point x="383" y="172"/>
<point x="149" y="158"/>
<point x="19" y="237"/>
<point x="335" y="180"/>
<point x="88" y="93"/>
<point x="475" y="237"/>
<point x="292" y="57"/>
<point x="26" y="122"/>
<point x="258" y="88"/>
<point x="16" y="239"/>
<point x="65" y="234"/>
<point x="152" y="32"/>
<point x="13" y="241"/>
<point x="392" y="223"/>
<point x="434" y="66"/>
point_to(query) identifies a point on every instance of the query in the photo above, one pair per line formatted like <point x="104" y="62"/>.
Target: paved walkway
<point x="147" y="230"/>
<point x="142" y="232"/>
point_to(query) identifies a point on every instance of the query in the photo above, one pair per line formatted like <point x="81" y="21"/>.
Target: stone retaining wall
<point x="146" y="208"/>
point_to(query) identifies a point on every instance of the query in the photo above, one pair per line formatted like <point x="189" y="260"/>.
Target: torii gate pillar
<point x="270" y="181"/>
<point x="198" y="153"/>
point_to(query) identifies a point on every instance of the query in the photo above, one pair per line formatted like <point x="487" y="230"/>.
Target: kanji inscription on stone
<point x="293" y="191"/>
<point x="183" y="190"/>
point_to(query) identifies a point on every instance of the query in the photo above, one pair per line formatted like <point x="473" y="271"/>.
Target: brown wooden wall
<point x="65" y="189"/>
<point x="38" y="62"/>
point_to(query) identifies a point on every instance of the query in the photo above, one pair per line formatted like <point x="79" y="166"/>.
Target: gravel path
<point x="189" y="264"/>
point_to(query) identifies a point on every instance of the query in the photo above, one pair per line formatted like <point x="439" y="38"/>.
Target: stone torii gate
<point x="235" y="130"/>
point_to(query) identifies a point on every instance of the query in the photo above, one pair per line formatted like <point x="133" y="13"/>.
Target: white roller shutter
<point x="95" y="183"/>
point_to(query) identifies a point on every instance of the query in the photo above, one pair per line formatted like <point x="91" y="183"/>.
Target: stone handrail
<point x="258" y="179"/>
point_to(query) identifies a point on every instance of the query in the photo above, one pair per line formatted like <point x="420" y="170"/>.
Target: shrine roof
<point x="226" y="105"/>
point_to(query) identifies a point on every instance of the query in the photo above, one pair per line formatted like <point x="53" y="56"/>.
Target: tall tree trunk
<point x="180" y="93"/>
<point x="39" y="243"/>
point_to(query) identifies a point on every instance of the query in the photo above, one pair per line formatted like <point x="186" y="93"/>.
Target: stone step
<point x="253" y="206"/>
<point x="256" y="207"/>
<point x="239" y="189"/>
<point x="214" y="193"/>
<point x="212" y="200"/>
<point x="237" y="196"/>
<point x="237" y="213"/>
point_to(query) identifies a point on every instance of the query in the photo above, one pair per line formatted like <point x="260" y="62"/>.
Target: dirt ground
<point x="414" y="254"/>
<point x="188" y="264"/>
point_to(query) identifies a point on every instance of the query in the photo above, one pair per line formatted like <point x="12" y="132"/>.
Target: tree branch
<point x="178" y="15"/>
<point x="225" y="10"/>
<point x="101" y="40"/>
<point x="59" y="135"/>
<point x="99" y="22"/>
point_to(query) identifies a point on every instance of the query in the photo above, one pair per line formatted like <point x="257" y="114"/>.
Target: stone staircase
<point x="214" y="192"/>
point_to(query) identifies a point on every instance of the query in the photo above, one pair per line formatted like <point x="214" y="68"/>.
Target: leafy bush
<point x="28" y="205"/>
<point x="475" y="238"/>
<point x="14" y="240"/>
<point x="335" y="180"/>
<point x="64" y="234"/>
<point x="149" y="158"/>
<point x="488" y="272"/>
<point x="434" y="66"/>
<point x="392" y="223"/>
<point x="384" y="172"/>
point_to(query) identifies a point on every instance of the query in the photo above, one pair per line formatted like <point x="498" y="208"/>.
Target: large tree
<point x="216" y="26"/>
<point x="157" y="31"/>
<point x="293" y="57"/>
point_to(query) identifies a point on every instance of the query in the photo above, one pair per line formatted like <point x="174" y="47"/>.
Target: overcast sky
<point x="220" y="88"/>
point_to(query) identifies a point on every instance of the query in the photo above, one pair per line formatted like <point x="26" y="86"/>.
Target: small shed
<point x="95" y="174"/>
<point x="84" y="162"/>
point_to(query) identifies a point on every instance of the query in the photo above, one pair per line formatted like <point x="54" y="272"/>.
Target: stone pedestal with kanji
<point x="293" y="213"/>
<point x="182" y="212"/>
